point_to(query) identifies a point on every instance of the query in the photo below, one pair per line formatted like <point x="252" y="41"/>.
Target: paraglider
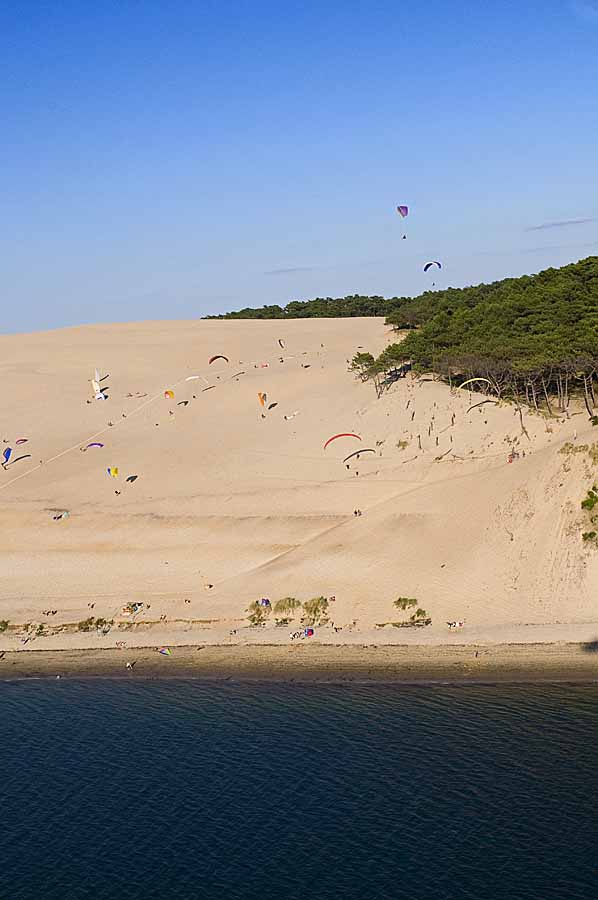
<point x="21" y="441"/>
<point x="169" y="395"/>
<point x="132" y="478"/>
<point x="6" y="456"/>
<point x="214" y="358"/>
<point x="193" y="378"/>
<point x="470" y="380"/>
<point x="112" y="471"/>
<point x="95" y="384"/>
<point x="262" y="398"/>
<point x="281" y="344"/>
<point x="403" y="211"/>
<point x="358" y="453"/>
<point x="429" y="265"/>
<point x="183" y="403"/>
<point x="93" y="444"/>
<point x="165" y="651"/>
<point x="19" y="458"/>
<point x="343" y="434"/>
<point x="271" y="406"/>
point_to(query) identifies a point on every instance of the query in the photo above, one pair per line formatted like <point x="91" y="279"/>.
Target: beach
<point x="504" y="663"/>
<point x="204" y="481"/>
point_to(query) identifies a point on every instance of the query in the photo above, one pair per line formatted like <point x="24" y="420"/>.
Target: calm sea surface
<point x="114" y="790"/>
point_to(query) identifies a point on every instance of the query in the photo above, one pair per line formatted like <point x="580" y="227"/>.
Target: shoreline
<point x="326" y="663"/>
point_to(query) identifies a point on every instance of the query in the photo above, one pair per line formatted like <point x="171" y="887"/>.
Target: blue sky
<point x="170" y="160"/>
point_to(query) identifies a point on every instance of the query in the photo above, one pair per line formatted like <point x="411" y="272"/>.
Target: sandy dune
<point x="256" y="507"/>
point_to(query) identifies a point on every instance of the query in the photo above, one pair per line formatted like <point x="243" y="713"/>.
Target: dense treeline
<point x="321" y="308"/>
<point x="534" y="339"/>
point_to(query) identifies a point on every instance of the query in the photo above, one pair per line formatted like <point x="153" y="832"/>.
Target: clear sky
<point x="174" y="159"/>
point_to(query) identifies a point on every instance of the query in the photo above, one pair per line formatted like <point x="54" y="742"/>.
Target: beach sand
<point x="234" y="501"/>
<point x="318" y="662"/>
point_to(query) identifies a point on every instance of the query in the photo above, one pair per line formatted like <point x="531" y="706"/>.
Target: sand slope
<point x="257" y="508"/>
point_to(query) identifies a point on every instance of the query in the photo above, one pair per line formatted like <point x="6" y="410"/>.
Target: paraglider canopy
<point x="471" y="380"/>
<point x="429" y="265"/>
<point x="19" y="458"/>
<point x="169" y="395"/>
<point x="7" y="454"/>
<point x="218" y="356"/>
<point x="358" y="453"/>
<point x="343" y="434"/>
<point x="165" y="651"/>
<point x="112" y="471"/>
<point x="403" y="211"/>
<point x="262" y="398"/>
<point x="281" y="343"/>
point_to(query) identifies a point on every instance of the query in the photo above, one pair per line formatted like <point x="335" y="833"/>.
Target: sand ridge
<point x="237" y="496"/>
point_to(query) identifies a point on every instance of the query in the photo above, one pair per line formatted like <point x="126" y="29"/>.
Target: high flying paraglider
<point x="403" y="211"/>
<point x="429" y="265"/>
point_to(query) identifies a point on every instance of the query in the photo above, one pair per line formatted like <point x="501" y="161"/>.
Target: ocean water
<point x="182" y="789"/>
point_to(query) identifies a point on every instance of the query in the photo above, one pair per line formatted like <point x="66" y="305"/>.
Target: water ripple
<point x="117" y="790"/>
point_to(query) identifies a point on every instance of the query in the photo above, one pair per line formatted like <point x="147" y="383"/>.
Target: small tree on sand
<point x="405" y="602"/>
<point x="286" y="606"/>
<point x="314" y="611"/>
<point x="257" y="614"/>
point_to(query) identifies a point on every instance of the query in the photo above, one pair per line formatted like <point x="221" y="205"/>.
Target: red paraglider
<point x="344" y="434"/>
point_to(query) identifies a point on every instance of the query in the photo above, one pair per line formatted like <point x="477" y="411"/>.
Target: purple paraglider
<point x="403" y="211"/>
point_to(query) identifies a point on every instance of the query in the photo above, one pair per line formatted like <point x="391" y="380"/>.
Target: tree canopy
<point x="320" y="308"/>
<point x="534" y="336"/>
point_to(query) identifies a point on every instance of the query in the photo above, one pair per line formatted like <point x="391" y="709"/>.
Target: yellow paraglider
<point x="169" y="395"/>
<point x="113" y="471"/>
<point x="262" y="398"/>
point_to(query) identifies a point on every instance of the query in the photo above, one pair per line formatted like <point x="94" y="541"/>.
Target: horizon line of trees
<point x="321" y="308"/>
<point x="534" y="339"/>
